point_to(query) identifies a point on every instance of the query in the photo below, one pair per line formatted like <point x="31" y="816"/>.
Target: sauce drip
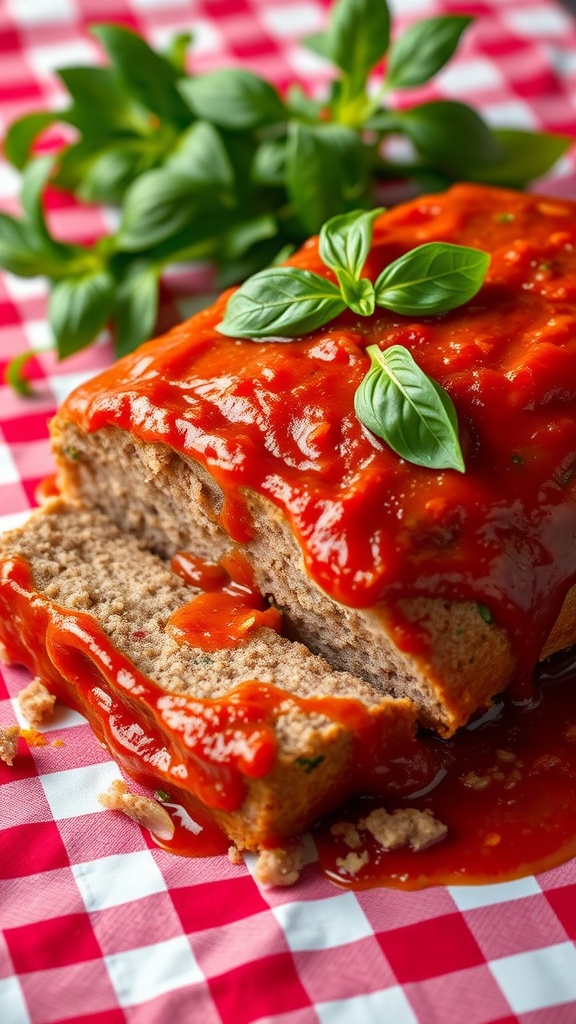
<point x="506" y="791"/>
<point x="278" y="418"/>
<point x="230" y="608"/>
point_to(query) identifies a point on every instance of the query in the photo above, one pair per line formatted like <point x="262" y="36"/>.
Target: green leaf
<point x="326" y="172"/>
<point x="423" y="49"/>
<point x="14" y="374"/>
<point x="22" y="133"/>
<point x="109" y="173"/>
<point x="79" y="308"/>
<point x="100" y="106"/>
<point x="317" y="43"/>
<point x="302" y="105"/>
<point x="281" y="302"/>
<point x="136" y="307"/>
<point x="526" y="155"/>
<point x="410" y="411"/>
<point x="233" y="98"/>
<point x="345" y="241"/>
<point x="148" y="77"/>
<point x="240" y="237"/>
<point x="357" y="37"/>
<point x="357" y="294"/>
<point x="201" y="157"/>
<point x="75" y="161"/>
<point x="177" y="50"/>
<point x="20" y="251"/>
<point x="432" y="278"/>
<point x="36" y="175"/>
<point x="450" y="134"/>
<point x="269" y="163"/>
<point x="156" y="206"/>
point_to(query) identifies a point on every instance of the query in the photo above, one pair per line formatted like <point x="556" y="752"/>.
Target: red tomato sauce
<point x="278" y="418"/>
<point x="230" y="607"/>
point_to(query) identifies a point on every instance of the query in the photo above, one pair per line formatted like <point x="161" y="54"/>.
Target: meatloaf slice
<point x="91" y="621"/>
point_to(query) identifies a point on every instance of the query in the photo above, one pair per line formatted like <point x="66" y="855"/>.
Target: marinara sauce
<point x="277" y="417"/>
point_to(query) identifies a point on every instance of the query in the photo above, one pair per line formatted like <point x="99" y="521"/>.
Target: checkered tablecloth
<point x="98" y="925"/>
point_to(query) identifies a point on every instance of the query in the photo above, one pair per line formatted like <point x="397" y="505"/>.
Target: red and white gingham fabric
<point x="101" y="927"/>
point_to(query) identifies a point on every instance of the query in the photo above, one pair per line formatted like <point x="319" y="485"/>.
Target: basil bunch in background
<point x="219" y="166"/>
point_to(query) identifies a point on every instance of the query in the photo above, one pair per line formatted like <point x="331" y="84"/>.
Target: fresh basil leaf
<point x="424" y="48"/>
<point x="526" y="155"/>
<point x="281" y="302"/>
<point x="79" y="308"/>
<point x="14" y="373"/>
<point x="302" y="105"/>
<point x="21" y="252"/>
<point x="432" y="278"/>
<point x="157" y="205"/>
<point x="410" y="411"/>
<point x="109" y="174"/>
<point x="75" y="161"/>
<point x="358" y="294"/>
<point x="357" y="37"/>
<point x="240" y="237"/>
<point x="146" y="76"/>
<point x="136" y="307"/>
<point x="269" y="163"/>
<point x="345" y="241"/>
<point x="177" y="50"/>
<point x="317" y="43"/>
<point x="200" y="156"/>
<point x="326" y="172"/>
<point x="233" y="98"/>
<point x="450" y="134"/>
<point x="22" y="134"/>
<point x="35" y="177"/>
<point x="100" y="106"/>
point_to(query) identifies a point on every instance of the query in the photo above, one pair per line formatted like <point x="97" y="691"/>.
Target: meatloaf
<point x="265" y="734"/>
<point x="433" y="585"/>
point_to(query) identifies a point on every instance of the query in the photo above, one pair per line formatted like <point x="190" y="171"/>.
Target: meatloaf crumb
<point x="348" y="832"/>
<point x="352" y="863"/>
<point x="280" y="866"/>
<point x="9" y="743"/>
<point x="147" y="812"/>
<point x="36" y="702"/>
<point x="404" y="827"/>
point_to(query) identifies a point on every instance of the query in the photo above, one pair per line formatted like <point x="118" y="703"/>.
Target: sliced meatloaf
<point x="86" y="607"/>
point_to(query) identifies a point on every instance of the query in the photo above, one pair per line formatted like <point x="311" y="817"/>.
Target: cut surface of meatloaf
<point x="91" y="622"/>
<point x="440" y="586"/>
<point x="167" y="501"/>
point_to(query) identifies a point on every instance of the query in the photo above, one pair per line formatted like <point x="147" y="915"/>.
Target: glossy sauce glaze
<point x="373" y="528"/>
<point x="229" y="607"/>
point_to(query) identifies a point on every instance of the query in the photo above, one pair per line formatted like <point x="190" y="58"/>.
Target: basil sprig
<point x="398" y="402"/>
<point x="284" y="302"/>
<point x="219" y="166"/>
